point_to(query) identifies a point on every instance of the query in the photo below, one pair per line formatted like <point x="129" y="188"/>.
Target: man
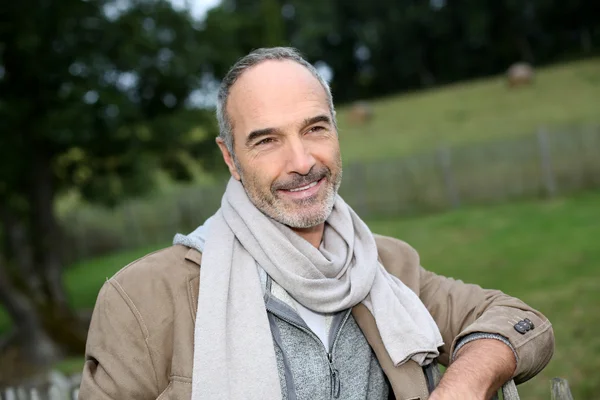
<point x="285" y="293"/>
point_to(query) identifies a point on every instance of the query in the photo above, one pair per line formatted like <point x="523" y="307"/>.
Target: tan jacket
<point x="140" y="342"/>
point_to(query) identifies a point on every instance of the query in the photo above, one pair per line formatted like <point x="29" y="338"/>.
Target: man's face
<point x="286" y="148"/>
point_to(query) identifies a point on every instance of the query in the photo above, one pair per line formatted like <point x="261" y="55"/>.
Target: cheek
<point x="327" y="153"/>
<point x="263" y="170"/>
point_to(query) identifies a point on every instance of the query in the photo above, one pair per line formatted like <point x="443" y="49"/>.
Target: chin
<point x="299" y="221"/>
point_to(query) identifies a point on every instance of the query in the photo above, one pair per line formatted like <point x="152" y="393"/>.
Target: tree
<point x="93" y="98"/>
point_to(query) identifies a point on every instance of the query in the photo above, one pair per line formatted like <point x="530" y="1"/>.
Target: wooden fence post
<point x="54" y="393"/>
<point x="359" y="187"/>
<point x="445" y="161"/>
<point x="560" y="389"/>
<point x="590" y="144"/>
<point x="10" y="394"/>
<point x="34" y="394"/>
<point x="546" y="163"/>
<point x="132" y="224"/>
<point x="21" y="393"/>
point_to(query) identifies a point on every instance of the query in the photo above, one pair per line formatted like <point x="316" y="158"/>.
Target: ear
<point x="228" y="158"/>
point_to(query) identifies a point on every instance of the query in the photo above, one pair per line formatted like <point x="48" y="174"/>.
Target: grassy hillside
<point x="546" y="253"/>
<point x="482" y="110"/>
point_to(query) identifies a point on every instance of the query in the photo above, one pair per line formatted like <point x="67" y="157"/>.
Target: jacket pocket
<point x="179" y="388"/>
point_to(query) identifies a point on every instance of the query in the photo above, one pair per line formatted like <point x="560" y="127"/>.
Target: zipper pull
<point x="336" y="384"/>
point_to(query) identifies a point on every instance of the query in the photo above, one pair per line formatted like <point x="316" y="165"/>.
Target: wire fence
<point x="546" y="164"/>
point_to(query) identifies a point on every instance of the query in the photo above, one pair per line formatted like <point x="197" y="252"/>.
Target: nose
<point x="300" y="159"/>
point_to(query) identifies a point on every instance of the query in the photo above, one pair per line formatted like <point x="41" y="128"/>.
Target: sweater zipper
<point x="336" y="385"/>
<point x="334" y="377"/>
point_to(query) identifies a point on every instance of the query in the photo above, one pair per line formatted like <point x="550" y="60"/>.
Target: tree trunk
<point x="37" y="345"/>
<point x="31" y="285"/>
<point x="60" y="322"/>
<point x="45" y="232"/>
<point x="524" y="48"/>
<point x="18" y="248"/>
<point x="426" y="78"/>
<point x="585" y="36"/>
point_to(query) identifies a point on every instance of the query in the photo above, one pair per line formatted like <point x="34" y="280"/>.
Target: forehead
<point x="275" y="94"/>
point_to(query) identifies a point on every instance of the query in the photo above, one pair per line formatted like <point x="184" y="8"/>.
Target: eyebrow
<point x="313" y="120"/>
<point x="257" y="134"/>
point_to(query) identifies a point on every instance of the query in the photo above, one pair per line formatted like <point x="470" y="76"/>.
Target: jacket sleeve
<point x="117" y="361"/>
<point x="461" y="309"/>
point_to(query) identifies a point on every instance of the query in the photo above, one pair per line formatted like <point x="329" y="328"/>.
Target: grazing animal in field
<point x="361" y="112"/>
<point x="519" y="74"/>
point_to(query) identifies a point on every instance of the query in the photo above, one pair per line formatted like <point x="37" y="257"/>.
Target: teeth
<point x="304" y="187"/>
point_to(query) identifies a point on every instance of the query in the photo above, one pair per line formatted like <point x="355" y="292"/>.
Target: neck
<point x="312" y="235"/>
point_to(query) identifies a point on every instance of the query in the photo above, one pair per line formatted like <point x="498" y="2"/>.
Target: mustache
<point x="298" y="180"/>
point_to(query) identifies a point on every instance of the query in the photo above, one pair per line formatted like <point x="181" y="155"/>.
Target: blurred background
<point x="470" y="129"/>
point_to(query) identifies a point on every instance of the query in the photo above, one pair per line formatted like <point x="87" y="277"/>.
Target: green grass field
<point x="562" y="95"/>
<point x="545" y="252"/>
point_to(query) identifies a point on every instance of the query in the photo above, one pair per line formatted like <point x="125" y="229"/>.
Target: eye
<point x="264" y="141"/>
<point x="316" y="129"/>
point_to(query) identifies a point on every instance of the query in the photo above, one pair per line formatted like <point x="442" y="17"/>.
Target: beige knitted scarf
<point x="234" y="357"/>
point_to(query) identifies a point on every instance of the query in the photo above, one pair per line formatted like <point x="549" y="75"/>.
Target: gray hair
<point x="252" y="59"/>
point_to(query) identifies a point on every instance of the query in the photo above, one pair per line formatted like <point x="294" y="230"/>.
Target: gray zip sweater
<point x="348" y="370"/>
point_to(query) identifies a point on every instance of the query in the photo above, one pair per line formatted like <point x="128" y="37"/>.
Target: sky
<point x="198" y="8"/>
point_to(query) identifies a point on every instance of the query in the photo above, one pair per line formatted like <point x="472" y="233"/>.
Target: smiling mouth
<point x="304" y="187"/>
<point x="303" y="192"/>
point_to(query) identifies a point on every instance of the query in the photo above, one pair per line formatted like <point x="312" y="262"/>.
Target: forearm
<point x="480" y="368"/>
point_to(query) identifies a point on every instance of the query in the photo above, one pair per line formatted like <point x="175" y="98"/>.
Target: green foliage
<point x="274" y="34"/>
<point x="100" y="97"/>
<point x="95" y="98"/>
